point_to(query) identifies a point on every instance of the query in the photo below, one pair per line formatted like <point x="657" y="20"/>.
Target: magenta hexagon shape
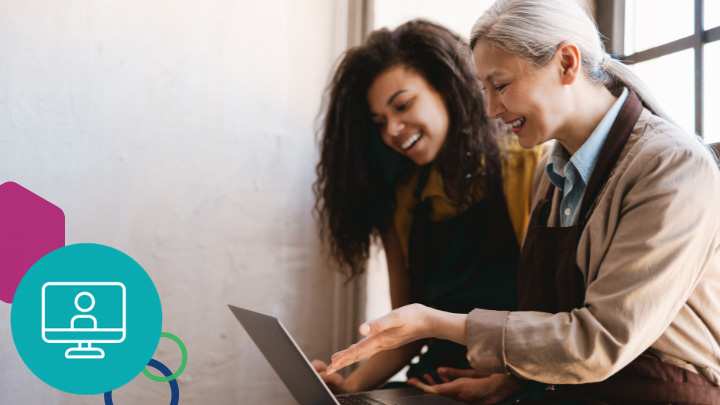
<point x="30" y="228"/>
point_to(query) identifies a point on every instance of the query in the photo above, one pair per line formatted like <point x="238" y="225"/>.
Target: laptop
<point x="299" y="376"/>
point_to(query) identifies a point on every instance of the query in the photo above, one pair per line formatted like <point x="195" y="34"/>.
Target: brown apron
<point x="549" y="280"/>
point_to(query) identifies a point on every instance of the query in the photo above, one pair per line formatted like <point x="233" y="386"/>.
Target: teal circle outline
<point x="76" y="267"/>
<point x="183" y="362"/>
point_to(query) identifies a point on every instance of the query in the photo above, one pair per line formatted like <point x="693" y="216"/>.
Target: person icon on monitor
<point x="84" y="313"/>
<point x="77" y="324"/>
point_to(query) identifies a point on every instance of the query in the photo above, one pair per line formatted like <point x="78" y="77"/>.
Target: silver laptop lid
<point x="285" y="357"/>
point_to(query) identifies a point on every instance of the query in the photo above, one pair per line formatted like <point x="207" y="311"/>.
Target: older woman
<point x="619" y="275"/>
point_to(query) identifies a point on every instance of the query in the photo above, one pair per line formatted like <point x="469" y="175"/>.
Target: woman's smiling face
<point x="530" y="100"/>
<point x="410" y="114"/>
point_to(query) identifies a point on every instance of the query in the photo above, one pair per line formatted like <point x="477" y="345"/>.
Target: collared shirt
<point x="571" y="174"/>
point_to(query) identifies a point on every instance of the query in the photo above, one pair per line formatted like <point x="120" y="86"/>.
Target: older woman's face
<point x="410" y="114"/>
<point x="529" y="100"/>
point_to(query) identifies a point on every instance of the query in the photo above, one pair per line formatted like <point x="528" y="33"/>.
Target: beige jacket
<point x="650" y="254"/>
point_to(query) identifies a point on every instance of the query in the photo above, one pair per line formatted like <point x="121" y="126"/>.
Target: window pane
<point x="458" y="15"/>
<point x="649" y="23"/>
<point x="712" y="14"/>
<point x="711" y="125"/>
<point x="671" y="80"/>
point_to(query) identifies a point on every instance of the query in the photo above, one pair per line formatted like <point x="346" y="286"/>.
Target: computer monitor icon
<point x="83" y="313"/>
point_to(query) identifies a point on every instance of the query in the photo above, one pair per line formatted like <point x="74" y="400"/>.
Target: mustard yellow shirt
<point x="518" y="165"/>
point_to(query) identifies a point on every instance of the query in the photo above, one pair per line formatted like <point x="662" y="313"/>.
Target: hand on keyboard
<point x="336" y="382"/>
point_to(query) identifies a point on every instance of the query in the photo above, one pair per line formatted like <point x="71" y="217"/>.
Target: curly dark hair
<point x="354" y="195"/>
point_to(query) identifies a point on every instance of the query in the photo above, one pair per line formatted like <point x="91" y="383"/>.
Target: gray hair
<point x="533" y="30"/>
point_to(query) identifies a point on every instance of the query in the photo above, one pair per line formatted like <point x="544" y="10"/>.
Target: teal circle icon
<point x="86" y="319"/>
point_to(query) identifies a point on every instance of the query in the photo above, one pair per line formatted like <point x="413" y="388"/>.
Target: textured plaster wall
<point x="180" y="132"/>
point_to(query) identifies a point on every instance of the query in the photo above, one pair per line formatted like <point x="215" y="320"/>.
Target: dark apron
<point x="549" y="280"/>
<point x="458" y="265"/>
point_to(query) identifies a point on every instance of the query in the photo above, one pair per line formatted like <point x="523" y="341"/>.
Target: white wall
<point x="180" y="132"/>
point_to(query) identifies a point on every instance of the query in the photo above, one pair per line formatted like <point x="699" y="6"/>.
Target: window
<point x="674" y="47"/>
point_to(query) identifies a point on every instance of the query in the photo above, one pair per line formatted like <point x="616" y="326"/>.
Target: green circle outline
<point x="180" y="370"/>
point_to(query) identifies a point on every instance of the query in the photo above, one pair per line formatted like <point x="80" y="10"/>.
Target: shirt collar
<point x="555" y="167"/>
<point x="586" y="157"/>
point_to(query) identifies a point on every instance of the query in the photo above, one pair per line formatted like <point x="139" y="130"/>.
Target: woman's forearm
<point x="448" y="326"/>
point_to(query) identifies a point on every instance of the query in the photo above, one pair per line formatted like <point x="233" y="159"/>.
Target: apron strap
<point x="623" y="126"/>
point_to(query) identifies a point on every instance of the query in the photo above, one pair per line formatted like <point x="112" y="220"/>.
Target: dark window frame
<point x="611" y="22"/>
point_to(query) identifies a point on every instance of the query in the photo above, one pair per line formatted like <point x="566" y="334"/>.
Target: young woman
<point x="407" y="154"/>
<point x="619" y="275"/>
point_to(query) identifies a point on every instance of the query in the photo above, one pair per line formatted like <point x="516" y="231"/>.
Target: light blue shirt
<point x="571" y="174"/>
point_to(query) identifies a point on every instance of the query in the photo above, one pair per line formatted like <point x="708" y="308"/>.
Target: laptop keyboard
<point x="362" y="399"/>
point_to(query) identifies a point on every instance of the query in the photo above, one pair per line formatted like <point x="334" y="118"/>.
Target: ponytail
<point x="620" y="76"/>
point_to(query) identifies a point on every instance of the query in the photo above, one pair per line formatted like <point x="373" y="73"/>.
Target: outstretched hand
<point x="401" y="326"/>
<point x="470" y="386"/>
